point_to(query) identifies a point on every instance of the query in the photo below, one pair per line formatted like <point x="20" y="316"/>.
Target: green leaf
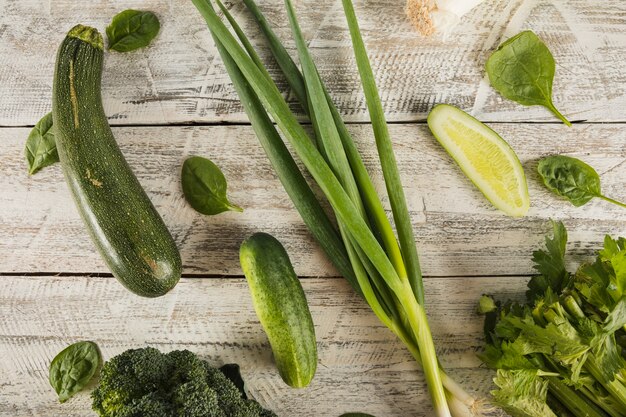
<point x="509" y="356"/>
<point x="550" y="263"/>
<point x="522" y="70"/>
<point x="132" y="29"/>
<point x="204" y="187"/>
<point x="607" y="356"/>
<point x="41" y="148"/>
<point x="616" y="318"/>
<point x="522" y="393"/>
<point x="572" y="179"/>
<point x="73" y="368"/>
<point x="592" y="282"/>
<point x="611" y="248"/>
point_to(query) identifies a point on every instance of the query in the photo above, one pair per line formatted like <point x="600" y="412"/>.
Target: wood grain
<point x="179" y="79"/>
<point x="361" y="365"/>
<point x="458" y="232"/>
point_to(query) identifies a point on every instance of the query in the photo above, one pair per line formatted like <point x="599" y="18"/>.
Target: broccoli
<point x="148" y="383"/>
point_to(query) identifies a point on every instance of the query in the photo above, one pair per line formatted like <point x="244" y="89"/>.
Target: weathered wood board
<point x="467" y="248"/>
<point x="458" y="232"/>
<point x="361" y="365"/>
<point x="180" y="79"/>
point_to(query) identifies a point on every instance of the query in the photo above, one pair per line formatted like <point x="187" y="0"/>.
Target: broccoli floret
<point x="148" y="383"/>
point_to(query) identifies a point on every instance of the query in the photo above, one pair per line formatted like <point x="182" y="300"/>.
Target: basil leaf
<point x="73" y="368"/>
<point x="522" y="70"/>
<point x="573" y="179"/>
<point x="132" y="29"/>
<point x="41" y="148"/>
<point x="204" y="187"/>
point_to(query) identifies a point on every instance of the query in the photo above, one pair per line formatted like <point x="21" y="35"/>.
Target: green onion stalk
<point x="360" y="240"/>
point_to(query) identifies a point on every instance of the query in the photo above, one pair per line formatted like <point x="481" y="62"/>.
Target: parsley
<point x="560" y="352"/>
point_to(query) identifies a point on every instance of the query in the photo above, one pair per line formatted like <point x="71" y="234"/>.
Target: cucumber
<point x="124" y="225"/>
<point x="282" y="308"/>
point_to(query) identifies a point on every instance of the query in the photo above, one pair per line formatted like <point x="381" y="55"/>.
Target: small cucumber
<point x="124" y="225"/>
<point x="282" y="308"/>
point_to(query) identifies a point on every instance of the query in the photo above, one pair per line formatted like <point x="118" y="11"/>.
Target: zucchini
<point x="124" y="225"/>
<point x="281" y="306"/>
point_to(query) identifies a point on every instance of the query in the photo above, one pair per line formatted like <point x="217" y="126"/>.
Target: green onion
<point x="386" y="273"/>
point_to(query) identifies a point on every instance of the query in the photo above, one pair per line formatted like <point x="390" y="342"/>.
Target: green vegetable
<point x="73" y="368"/>
<point x="132" y="29"/>
<point x="148" y="383"/>
<point x="522" y="70"/>
<point x="204" y="187"/>
<point x="572" y="179"/>
<point x="563" y="349"/>
<point x="301" y="194"/>
<point x="282" y="308"/>
<point x="486" y="305"/>
<point x="123" y="223"/>
<point x="386" y="272"/>
<point x="233" y="373"/>
<point x="483" y="156"/>
<point x="41" y="149"/>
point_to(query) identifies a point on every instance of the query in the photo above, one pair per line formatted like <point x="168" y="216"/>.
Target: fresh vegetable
<point x="522" y="70"/>
<point x="386" y="272"/>
<point x="487" y="160"/>
<point x="204" y="186"/>
<point x="148" y="383"/>
<point x="123" y="223"/>
<point x="572" y="179"/>
<point x="132" y="29"/>
<point x="441" y="16"/>
<point x="73" y="368"/>
<point x="41" y="149"/>
<point x="561" y="353"/>
<point x="281" y="306"/>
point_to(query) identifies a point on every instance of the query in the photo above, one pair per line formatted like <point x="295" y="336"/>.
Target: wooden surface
<point x="458" y="231"/>
<point x="179" y="79"/>
<point x="361" y="366"/>
<point x="55" y="289"/>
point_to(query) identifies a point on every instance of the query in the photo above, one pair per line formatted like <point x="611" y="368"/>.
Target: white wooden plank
<point x="179" y="79"/>
<point x="361" y="365"/>
<point x="458" y="232"/>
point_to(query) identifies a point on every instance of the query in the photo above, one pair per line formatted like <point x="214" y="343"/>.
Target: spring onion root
<point x="438" y="16"/>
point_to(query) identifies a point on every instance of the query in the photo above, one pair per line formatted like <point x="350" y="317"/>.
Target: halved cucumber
<point x="487" y="160"/>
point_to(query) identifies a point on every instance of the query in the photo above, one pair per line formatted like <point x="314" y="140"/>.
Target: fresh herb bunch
<point x="383" y="268"/>
<point x="561" y="352"/>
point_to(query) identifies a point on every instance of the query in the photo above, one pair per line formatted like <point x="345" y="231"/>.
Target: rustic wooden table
<point x="174" y="99"/>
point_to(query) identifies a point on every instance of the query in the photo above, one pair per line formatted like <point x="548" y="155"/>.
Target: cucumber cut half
<point x="485" y="158"/>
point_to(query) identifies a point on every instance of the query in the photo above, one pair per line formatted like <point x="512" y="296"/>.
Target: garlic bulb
<point x="430" y="16"/>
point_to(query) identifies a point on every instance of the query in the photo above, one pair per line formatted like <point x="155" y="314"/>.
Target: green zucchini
<point x="282" y="308"/>
<point x="124" y="225"/>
